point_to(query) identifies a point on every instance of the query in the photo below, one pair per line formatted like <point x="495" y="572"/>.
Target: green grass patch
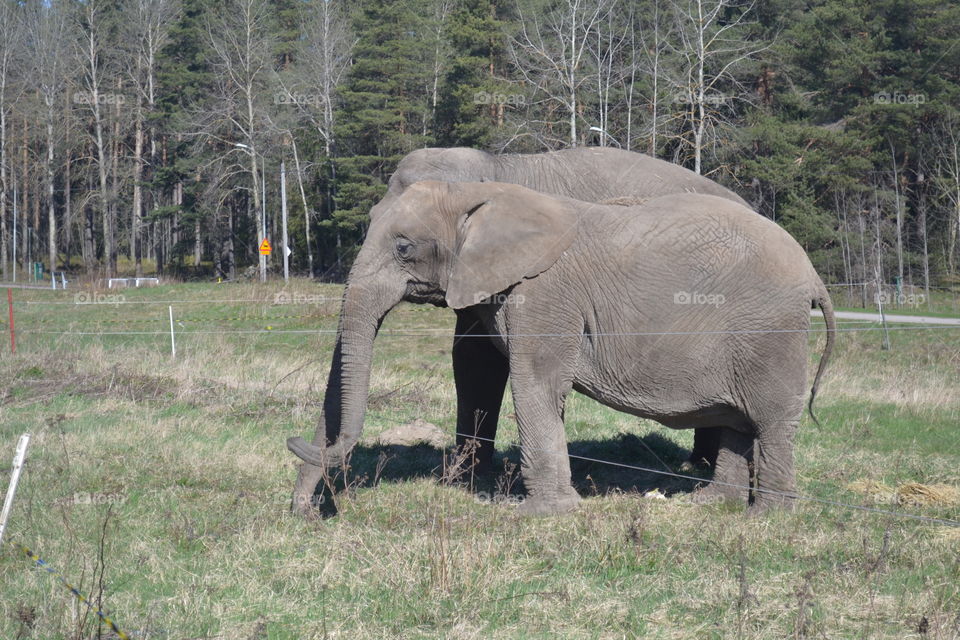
<point x="169" y="478"/>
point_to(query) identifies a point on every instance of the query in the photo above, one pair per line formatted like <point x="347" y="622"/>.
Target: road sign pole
<point x="283" y="209"/>
<point x="263" y="217"/>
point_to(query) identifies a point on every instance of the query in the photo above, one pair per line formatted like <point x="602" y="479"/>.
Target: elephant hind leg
<point x="776" y="476"/>
<point x="731" y="477"/>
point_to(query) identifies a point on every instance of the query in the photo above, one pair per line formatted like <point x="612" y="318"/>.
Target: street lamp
<point x="263" y="204"/>
<point x="601" y="131"/>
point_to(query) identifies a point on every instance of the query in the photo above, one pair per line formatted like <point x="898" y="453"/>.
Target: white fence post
<point x="173" y="342"/>
<point x="18" y="459"/>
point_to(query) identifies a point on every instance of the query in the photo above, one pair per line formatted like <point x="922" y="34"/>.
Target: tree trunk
<point x="136" y="214"/>
<point x="3" y="178"/>
<point x="67" y="192"/>
<point x="24" y="195"/>
<point x="197" y="244"/>
<point x="306" y="208"/>
<point x="51" y="212"/>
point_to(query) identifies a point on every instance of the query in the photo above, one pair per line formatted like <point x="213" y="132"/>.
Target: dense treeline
<point x="148" y="135"/>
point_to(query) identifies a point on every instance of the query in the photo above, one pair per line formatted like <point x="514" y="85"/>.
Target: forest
<point x="158" y="136"/>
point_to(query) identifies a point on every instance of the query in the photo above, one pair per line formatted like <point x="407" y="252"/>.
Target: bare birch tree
<point x="10" y="41"/>
<point x="148" y="25"/>
<point x="607" y="46"/>
<point x="240" y="40"/>
<point x="651" y="35"/>
<point x="91" y="54"/>
<point x="946" y="178"/>
<point x="311" y="86"/>
<point x="711" y="52"/>
<point x="48" y="36"/>
<point x="550" y="50"/>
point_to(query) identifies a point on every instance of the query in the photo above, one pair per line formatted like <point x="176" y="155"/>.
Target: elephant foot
<point x="764" y="502"/>
<point x="713" y="493"/>
<point x="305" y="506"/>
<point x="550" y="505"/>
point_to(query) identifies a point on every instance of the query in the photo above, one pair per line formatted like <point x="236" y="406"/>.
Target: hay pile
<point x="910" y="494"/>
<point x="922" y="495"/>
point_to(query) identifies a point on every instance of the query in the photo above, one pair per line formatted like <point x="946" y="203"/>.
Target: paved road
<point x="875" y="317"/>
<point x="17" y="285"/>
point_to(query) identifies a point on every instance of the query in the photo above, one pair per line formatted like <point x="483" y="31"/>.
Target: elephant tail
<point x="826" y="307"/>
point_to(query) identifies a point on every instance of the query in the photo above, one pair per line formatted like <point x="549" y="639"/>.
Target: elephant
<point x="591" y="174"/>
<point x="689" y="310"/>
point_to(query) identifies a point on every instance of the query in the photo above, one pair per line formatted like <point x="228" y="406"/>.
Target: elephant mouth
<point x="421" y="292"/>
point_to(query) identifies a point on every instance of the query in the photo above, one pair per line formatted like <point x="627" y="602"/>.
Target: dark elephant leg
<point x="480" y="372"/>
<point x="731" y="476"/>
<point x="706" y="447"/>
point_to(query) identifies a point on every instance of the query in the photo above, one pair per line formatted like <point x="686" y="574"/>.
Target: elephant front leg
<point x="480" y="373"/>
<point x="539" y="390"/>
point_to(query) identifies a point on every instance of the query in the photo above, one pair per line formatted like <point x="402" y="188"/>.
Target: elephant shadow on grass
<point x="599" y="467"/>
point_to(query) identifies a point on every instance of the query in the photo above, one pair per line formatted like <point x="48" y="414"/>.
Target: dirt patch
<point x="417" y="432"/>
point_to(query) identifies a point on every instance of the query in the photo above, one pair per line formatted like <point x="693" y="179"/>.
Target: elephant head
<point x="448" y="244"/>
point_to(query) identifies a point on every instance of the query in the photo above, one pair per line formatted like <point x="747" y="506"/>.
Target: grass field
<point x="160" y="487"/>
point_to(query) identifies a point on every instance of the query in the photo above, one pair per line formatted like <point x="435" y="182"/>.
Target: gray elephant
<point x="690" y="310"/>
<point x="590" y="174"/>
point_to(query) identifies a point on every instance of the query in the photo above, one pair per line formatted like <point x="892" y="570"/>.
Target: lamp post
<point x="263" y="204"/>
<point x="605" y="135"/>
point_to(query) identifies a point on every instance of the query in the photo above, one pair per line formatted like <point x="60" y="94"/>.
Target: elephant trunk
<point x="345" y="404"/>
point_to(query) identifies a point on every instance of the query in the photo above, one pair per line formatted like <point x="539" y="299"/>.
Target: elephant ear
<point x="506" y="233"/>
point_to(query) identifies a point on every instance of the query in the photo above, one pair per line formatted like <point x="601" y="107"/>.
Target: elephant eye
<point x="404" y="248"/>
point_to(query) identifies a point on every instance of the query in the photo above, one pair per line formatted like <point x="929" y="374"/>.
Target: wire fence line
<point x="313" y="299"/>
<point x="681" y="476"/>
<point x="42" y="564"/>
<point x="446" y="333"/>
